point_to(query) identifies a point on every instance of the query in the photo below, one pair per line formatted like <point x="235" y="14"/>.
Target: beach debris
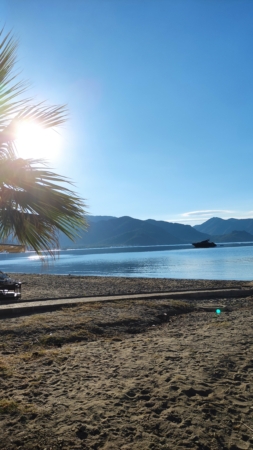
<point x="251" y="429"/>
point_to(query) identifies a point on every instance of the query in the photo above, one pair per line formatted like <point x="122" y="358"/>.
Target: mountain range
<point x="108" y="231"/>
<point x="217" y="226"/>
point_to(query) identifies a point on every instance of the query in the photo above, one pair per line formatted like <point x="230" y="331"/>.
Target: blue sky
<point x="160" y="101"/>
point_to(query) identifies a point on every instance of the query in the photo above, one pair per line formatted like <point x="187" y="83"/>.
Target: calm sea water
<point x="220" y="263"/>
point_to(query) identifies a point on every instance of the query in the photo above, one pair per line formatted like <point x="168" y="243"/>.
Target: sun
<point x="34" y="141"/>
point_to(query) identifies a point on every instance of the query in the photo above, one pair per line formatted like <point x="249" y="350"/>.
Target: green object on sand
<point x="218" y="311"/>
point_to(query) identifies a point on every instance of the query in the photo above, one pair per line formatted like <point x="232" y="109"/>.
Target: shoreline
<point x="42" y="286"/>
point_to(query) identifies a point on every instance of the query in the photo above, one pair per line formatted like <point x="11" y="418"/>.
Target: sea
<point x="225" y="262"/>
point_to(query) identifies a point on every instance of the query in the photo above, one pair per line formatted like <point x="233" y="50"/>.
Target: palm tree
<point x="35" y="203"/>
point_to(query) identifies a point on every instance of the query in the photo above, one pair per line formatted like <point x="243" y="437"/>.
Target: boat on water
<point x="204" y="244"/>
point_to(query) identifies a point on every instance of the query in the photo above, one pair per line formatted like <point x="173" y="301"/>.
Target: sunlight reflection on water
<point x="34" y="258"/>
<point x="227" y="263"/>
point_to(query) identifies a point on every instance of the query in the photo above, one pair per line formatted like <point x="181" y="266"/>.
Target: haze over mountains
<point x="108" y="231"/>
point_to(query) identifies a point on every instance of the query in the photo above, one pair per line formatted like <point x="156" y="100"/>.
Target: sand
<point x="158" y="374"/>
<point x="60" y="286"/>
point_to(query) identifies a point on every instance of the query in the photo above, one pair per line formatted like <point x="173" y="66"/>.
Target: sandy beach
<point x="130" y="375"/>
<point x="62" y="286"/>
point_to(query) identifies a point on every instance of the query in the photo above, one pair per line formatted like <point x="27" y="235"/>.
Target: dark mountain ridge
<point x="184" y="232"/>
<point x="127" y="231"/>
<point x="234" y="236"/>
<point x="216" y="226"/>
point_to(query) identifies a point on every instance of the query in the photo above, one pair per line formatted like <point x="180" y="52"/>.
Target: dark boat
<point x="204" y="244"/>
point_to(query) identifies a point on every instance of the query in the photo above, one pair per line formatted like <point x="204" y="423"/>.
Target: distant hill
<point x="104" y="231"/>
<point x="92" y="219"/>
<point x="217" y="226"/>
<point x="185" y="233"/>
<point x="234" y="236"/>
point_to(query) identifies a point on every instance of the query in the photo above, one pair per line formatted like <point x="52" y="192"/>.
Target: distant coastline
<point x="149" y="248"/>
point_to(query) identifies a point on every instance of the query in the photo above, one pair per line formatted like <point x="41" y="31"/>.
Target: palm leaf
<point x="35" y="203"/>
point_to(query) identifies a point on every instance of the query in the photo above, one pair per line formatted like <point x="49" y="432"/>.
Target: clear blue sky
<point x="160" y="97"/>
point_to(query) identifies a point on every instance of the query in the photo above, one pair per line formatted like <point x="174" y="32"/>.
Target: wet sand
<point x="130" y="375"/>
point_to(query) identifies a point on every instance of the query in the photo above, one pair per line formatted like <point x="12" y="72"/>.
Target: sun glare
<point x="34" y="141"/>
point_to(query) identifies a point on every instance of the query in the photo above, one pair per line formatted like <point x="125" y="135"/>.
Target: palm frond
<point x="35" y="204"/>
<point x="8" y="90"/>
<point x="34" y="208"/>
